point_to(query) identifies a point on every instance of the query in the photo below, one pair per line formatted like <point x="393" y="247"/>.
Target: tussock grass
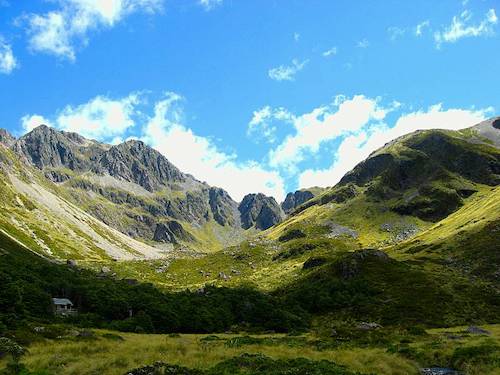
<point x="105" y="356"/>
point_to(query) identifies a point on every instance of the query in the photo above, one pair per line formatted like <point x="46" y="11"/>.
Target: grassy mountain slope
<point x="132" y="188"/>
<point x="35" y="212"/>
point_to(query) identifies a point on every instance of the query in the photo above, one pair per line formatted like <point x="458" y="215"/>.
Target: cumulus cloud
<point x="201" y="157"/>
<point x="462" y="27"/>
<point x="8" y="61"/>
<point x="30" y="122"/>
<point x="60" y="31"/>
<point x="395" y="32"/>
<point x="263" y="124"/>
<point x="324" y="124"/>
<point x="357" y="147"/>
<point x="419" y="29"/>
<point x="210" y="4"/>
<point x="330" y="52"/>
<point x="101" y="118"/>
<point x="287" y="72"/>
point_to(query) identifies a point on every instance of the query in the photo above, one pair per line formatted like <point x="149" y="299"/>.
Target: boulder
<point x="477" y="331"/>
<point x="368" y="326"/>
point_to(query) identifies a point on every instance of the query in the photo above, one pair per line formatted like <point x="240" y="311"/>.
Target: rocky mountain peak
<point x="294" y="200"/>
<point x="224" y="209"/>
<point x="134" y="161"/>
<point x="47" y="147"/>
<point x="259" y="211"/>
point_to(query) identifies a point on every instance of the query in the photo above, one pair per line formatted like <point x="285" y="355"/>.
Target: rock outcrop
<point x="259" y="211"/>
<point x="293" y="200"/>
<point x="6" y="138"/>
<point x="224" y="209"/>
<point x="134" y="161"/>
<point x="172" y="232"/>
<point x="45" y="147"/>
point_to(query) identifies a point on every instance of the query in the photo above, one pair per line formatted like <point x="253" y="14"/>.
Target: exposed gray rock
<point x="477" y="331"/>
<point x="171" y="232"/>
<point x="6" y="138"/>
<point x="489" y="129"/>
<point x="259" y="211"/>
<point x="294" y="200"/>
<point x="337" y="230"/>
<point x="224" y="209"/>
<point x="368" y="326"/>
<point x="134" y="161"/>
<point x="46" y="147"/>
<point x="438" y="371"/>
<point x="223" y="276"/>
<point x="400" y="230"/>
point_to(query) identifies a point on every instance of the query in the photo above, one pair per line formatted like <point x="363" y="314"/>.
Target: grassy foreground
<point x="106" y="352"/>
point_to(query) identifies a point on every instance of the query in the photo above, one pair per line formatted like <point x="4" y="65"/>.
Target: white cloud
<point x="357" y="147"/>
<point x="60" y="31"/>
<point x="395" y="32"/>
<point x="296" y="36"/>
<point x="324" y="124"/>
<point x="262" y="124"/>
<point x="7" y="60"/>
<point x="287" y="72"/>
<point x="461" y="27"/>
<point x="210" y="4"/>
<point x="200" y="157"/>
<point x="419" y="29"/>
<point x="30" y="122"/>
<point x="330" y="52"/>
<point x="363" y="43"/>
<point x="101" y="118"/>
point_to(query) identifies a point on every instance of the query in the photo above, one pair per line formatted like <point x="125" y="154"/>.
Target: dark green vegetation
<point x="28" y="282"/>
<point x="252" y="364"/>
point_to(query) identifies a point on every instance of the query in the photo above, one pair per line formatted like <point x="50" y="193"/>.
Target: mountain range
<point x="130" y="188"/>
<point x="127" y="201"/>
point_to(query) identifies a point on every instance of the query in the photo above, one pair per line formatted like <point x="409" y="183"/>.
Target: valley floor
<point x="381" y="352"/>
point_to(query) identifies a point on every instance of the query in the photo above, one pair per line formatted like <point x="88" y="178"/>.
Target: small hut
<point x="63" y="306"/>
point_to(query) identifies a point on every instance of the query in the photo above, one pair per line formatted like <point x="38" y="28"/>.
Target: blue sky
<point x="261" y="95"/>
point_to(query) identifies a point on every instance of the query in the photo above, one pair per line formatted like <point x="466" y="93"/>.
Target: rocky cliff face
<point x="45" y="147"/>
<point x="133" y="161"/>
<point x="6" y="138"/>
<point x="172" y="232"/>
<point x="259" y="211"/>
<point x="224" y="209"/>
<point x="294" y="200"/>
